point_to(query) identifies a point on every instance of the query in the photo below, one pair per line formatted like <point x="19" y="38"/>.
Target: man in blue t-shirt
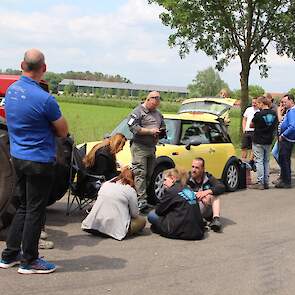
<point x="33" y="120"/>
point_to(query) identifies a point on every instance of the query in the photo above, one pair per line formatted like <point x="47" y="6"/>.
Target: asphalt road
<point x="253" y="255"/>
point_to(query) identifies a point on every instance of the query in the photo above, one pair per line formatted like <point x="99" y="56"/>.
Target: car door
<point x="184" y="154"/>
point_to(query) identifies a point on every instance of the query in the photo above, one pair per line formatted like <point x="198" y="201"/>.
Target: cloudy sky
<point x="122" y="37"/>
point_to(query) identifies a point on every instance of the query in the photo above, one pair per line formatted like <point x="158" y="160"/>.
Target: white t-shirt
<point x="249" y="114"/>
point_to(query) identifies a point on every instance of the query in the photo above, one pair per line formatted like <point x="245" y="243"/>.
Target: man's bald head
<point x="33" y="61"/>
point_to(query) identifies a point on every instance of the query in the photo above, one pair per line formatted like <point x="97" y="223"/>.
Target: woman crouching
<point x="178" y="214"/>
<point x="115" y="212"/>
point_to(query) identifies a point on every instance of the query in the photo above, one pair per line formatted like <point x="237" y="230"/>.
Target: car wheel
<point x="156" y="186"/>
<point x="231" y="177"/>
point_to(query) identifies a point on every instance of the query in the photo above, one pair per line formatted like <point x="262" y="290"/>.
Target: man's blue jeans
<point x="261" y="156"/>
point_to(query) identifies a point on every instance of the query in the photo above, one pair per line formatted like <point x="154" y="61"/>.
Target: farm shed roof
<point x="129" y="86"/>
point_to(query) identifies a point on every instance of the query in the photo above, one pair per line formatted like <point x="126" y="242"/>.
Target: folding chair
<point x="80" y="187"/>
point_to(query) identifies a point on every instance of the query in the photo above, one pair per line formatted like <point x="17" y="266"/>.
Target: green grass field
<point x="92" y="122"/>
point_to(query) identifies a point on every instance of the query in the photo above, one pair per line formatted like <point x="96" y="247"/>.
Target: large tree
<point x="229" y="29"/>
<point x="206" y="83"/>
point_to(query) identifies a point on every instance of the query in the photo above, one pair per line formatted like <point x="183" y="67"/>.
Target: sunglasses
<point x="156" y="97"/>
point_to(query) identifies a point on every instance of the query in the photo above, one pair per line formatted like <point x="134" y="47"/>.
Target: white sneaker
<point x="44" y="235"/>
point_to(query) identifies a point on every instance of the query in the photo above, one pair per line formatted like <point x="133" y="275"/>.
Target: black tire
<point x="7" y="181"/>
<point x="8" y="204"/>
<point x="156" y="187"/>
<point x="62" y="170"/>
<point x="231" y="177"/>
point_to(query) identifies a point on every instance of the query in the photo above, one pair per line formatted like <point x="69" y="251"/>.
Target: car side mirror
<point x="193" y="142"/>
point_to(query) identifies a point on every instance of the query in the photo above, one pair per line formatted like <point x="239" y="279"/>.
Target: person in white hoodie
<point x="115" y="212"/>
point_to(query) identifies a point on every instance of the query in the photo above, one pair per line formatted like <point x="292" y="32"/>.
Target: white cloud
<point x="129" y="40"/>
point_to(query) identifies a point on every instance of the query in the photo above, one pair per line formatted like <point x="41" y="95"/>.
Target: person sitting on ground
<point x="101" y="160"/>
<point x="115" y="212"/>
<point x="207" y="189"/>
<point x="178" y="215"/>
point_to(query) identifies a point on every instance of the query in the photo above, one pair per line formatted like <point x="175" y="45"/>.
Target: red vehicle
<point x="5" y="82"/>
<point x="7" y="174"/>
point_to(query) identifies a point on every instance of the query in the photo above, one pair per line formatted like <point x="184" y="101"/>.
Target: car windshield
<point x="171" y="128"/>
<point x="204" y="107"/>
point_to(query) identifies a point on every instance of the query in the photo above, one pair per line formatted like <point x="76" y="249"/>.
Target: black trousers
<point x="285" y="152"/>
<point x="34" y="181"/>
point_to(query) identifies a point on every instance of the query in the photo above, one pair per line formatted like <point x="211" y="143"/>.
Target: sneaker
<point x="38" y="266"/>
<point x="45" y="244"/>
<point x="257" y="186"/>
<point x="282" y="185"/>
<point x="215" y="225"/>
<point x="7" y="263"/>
<point x="266" y="186"/>
<point x="44" y="235"/>
<point x="276" y="181"/>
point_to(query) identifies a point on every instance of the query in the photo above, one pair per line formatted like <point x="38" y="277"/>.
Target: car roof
<point x="228" y="101"/>
<point x="193" y="117"/>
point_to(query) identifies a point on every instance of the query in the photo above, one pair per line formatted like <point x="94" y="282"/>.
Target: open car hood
<point x="214" y="106"/>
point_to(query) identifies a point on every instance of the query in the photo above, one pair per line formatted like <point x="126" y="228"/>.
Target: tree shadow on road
<point x="89" y="263"/>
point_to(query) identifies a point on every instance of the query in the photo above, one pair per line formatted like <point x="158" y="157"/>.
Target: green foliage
<point x="236" y="94"/>
<point x="70" y="88"/>
<point x="227" y="29"/>
<point x="292" y="91"/>
<point x="206" y="83"/>
<point x="54" y="79"/>
<point x="255" y="90"/>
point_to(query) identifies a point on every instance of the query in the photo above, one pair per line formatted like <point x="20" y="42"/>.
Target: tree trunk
<point x="244" y="80"/>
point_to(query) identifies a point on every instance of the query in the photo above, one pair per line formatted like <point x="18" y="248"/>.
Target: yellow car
<point x="219" y="107"/>
<point x="188" y="136"/>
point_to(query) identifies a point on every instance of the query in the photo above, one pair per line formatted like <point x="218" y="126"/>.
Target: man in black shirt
<point x="207" y="189"/>
<point x="264" y="123"/>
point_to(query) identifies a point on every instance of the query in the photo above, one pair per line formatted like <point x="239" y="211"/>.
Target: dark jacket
<point x="209" y="182"/>
<point x="104" y="164"/>
<point x="180" y="216"/>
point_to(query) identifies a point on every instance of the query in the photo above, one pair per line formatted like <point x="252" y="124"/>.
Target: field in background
<point x="92" y="122"/>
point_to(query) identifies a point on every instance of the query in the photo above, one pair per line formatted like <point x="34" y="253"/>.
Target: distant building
<point x="133" y="89"/>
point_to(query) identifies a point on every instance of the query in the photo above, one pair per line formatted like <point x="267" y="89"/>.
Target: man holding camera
<point x="147" y="125"/>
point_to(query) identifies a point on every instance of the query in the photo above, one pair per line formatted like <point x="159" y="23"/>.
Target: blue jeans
<point x="285" y="152"/>
<point x="153" y="217"/>
<point x="155" y="222"/>
<point x="275" y="151"/>
<point x="261" y="156"/>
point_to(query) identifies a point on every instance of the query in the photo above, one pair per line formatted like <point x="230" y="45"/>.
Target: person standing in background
<point x="264" y="123"/>
<point x="147" y="125"/>
<point x="286" y="141"/>
<point x="248" y="133"/>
